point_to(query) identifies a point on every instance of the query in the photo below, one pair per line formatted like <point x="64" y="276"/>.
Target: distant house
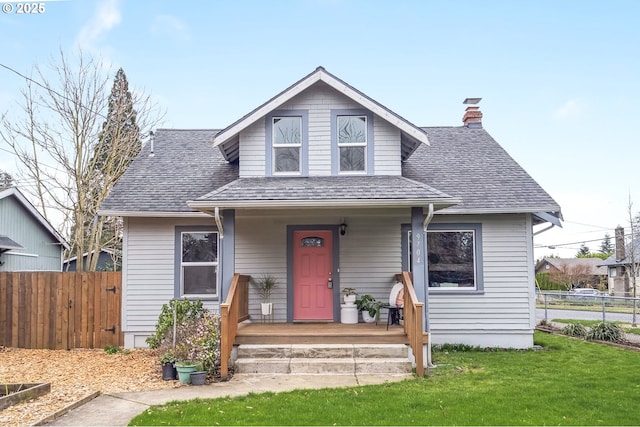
<point x="107" y="261"/>
<point x="580" y="272"/>
<point x="619" y="264"/>
<point x="28" y="242"/>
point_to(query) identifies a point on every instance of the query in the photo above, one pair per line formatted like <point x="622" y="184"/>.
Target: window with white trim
<point x="286" y="144"/>
<point x="199" y="263"/>
<point x="352" y="143"/>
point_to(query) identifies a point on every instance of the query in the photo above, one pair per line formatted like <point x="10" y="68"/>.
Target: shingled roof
<point x="462" y="165"/>
<point x="351" y="191"/>
<point x="184" y="166"/>
<point x="470" y="165"/>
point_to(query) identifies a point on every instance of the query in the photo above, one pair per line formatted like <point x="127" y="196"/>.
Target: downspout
<point x="216" y="215"/>
<point x="425" y="224"/>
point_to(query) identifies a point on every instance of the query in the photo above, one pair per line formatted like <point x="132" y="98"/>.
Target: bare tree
<point x="56" y="139"/>
<point x="569" y="275"/>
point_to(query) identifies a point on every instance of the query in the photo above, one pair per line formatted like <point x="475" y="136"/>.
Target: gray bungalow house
<point x="325" y="188"/>
<point x="28" y="242"/>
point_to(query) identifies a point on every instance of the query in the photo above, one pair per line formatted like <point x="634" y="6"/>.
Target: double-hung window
<point x="352" y="143"/>
<point x="286" y="144"/>
<point x="287" y="140"/>
<point x="198" y="263"/>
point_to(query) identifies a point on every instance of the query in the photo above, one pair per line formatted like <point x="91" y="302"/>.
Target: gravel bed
<point x="75" y="374"/>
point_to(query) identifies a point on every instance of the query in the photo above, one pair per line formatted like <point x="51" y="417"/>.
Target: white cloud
<point x="171" y="26"/>
<point x="107" y="16"/>
<point x="570" y="108"/>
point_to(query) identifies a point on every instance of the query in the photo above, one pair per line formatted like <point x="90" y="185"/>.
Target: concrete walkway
<point x="119" y="408"/>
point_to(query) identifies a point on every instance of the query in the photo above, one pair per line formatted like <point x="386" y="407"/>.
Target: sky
<point x="560" y="80"/>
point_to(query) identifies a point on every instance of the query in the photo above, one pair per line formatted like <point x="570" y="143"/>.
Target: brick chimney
<point x="620" y="250"/>
<point x="472" y="116"/>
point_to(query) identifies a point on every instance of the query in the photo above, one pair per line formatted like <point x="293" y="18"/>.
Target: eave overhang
<point x="227" y="140"/>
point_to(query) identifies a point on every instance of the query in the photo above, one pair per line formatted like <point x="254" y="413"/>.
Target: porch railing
<point x="413" y="320"/>
<point x="232" y="312"/>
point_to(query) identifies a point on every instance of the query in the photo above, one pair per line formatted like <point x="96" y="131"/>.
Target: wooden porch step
<point x="319" y="333"/>
<point x="323" y="359"/>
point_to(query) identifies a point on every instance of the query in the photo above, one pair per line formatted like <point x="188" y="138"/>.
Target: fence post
<point x="546" y="320"/>
<point x="635" y="307"/>
<point x="604" y="310"/>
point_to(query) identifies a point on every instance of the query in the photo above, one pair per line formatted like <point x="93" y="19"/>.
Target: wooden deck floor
<point x="319" y="333"/>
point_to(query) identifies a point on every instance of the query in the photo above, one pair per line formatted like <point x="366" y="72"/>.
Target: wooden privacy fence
<point x="51" y="310"/>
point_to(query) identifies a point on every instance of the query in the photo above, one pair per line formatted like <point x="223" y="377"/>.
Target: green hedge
<point x="546" y="284"/>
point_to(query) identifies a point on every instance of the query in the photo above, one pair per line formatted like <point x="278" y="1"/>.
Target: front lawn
<point x="570" y="382"/>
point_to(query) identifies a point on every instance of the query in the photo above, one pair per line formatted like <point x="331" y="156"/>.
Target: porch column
<point x="227" y="261"/>
<point x="419" y="266"/>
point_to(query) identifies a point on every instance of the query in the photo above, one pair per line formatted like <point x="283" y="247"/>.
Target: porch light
<point x="343" y="229"/>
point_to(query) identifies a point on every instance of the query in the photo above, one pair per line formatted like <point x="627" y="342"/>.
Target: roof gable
<point x="19" y="197"/>
<point x="227" y="139"/>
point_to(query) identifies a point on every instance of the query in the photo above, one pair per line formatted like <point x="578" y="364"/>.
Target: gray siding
<point x="42" y="252"/>
<point x="319" y="101"/>
<point x="505" y="306"/>
<point x="148" y="273"/>
<point x="370" y="255"/>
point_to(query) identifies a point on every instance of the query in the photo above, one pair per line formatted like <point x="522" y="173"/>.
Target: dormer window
<point x="352" y="143"/>
<point x="352" y="136"/>
<point x="287" y="143"/>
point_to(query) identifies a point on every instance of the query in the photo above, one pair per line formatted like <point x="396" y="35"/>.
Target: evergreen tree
<point x="6" y="180"/>
<point x="119" y="143"/>
<point x="606" y="247"/>
<point x="120" y="140"/>
<point x="583" y="252"/>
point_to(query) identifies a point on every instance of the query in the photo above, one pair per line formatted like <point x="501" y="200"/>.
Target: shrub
<point x="575" y="330"/>
<point x="196" y="339"/>
<point x="185" y="309"/>
<point x="606" y="332"/>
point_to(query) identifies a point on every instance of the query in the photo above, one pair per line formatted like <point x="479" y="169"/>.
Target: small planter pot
<point x="198" y="377"/>
<point x="169" y="371"/>
<point x="184" y="373"/>
<point x="367" y="317"/>
<point x="267" y="308"/>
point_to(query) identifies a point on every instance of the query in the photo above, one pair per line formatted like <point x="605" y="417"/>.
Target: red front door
<point x="312" y="270"/>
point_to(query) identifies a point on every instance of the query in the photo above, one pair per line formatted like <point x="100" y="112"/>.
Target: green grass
<point x="570" y="382"/>
<point x="591" y="323"/>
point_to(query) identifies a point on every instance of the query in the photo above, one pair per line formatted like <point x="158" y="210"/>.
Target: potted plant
<point x="265" y="286"/>
<point x="349" y="295"/>
<point x="369" y="307"/>
<point x="168" y="361"/>
<point x="185" y="368"/>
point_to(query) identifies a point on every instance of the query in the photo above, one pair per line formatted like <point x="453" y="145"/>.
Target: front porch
<point x="235" y="330"/>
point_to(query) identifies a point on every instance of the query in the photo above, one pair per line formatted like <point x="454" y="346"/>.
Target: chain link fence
<point x="599" y="307"/>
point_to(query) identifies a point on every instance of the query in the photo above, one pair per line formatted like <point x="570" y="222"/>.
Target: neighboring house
<point x="107" y="261"/>
<point x="579" y="272"/>
<point x="325" y="188"/>
<point x="621" y="264"/>
<point x="28" y="242"/>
